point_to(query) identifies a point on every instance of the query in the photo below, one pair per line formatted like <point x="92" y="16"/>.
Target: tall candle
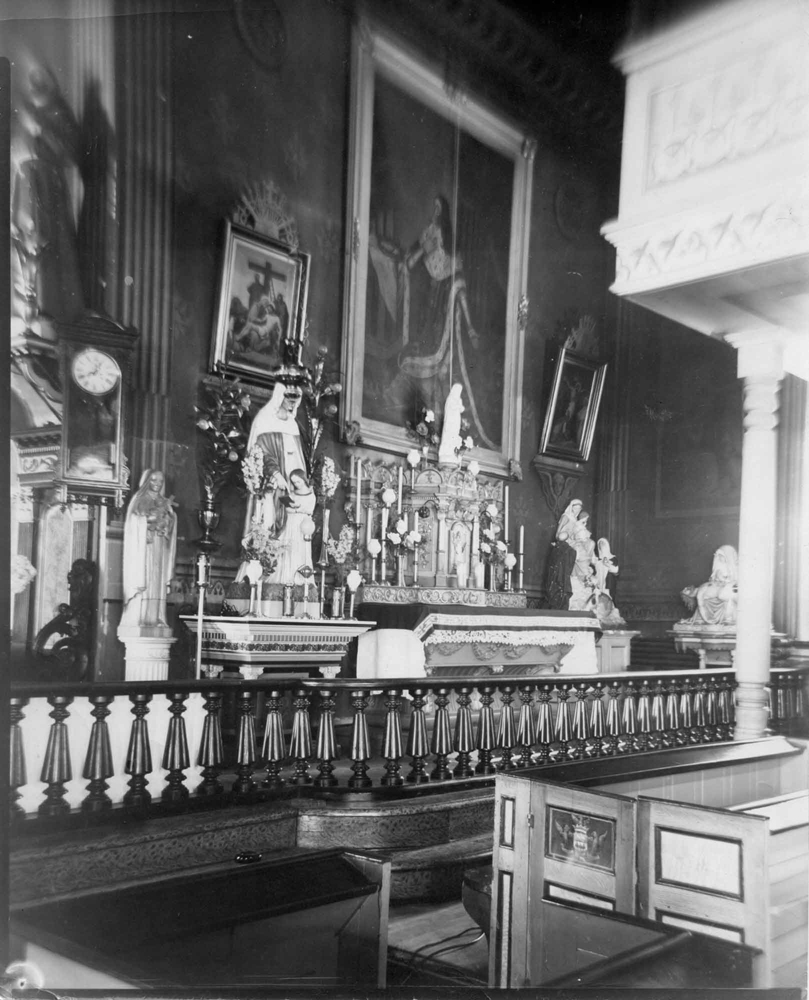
<point x="368" y="526"/>
<point x="521" y="544"/>
<point x="475" y="538"/>
<point x="399" y="505"/>
<point x="505" y="514"/>
<point x="359" y="488"/>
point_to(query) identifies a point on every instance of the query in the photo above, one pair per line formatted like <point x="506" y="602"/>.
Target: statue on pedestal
<point x="604" y="566"/>
<point x="714" y="603"/>
<point x="563" y="558"/>
<point x="451" y="429"/>
<point x="150" y="545"/>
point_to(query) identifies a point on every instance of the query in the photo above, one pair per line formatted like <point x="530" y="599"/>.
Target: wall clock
<point x="95" y="359"/>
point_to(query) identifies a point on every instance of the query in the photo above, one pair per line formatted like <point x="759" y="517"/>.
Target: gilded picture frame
<point x="262" y="299"/>
<point x="438" y="226"/>
<point x="575" y="398"/>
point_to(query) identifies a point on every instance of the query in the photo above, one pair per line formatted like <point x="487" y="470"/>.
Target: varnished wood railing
<point x="262" y="739"/>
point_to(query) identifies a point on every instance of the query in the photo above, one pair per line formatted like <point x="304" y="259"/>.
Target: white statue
<point x="295" y="537"/>
<point x="582" y="576"/>
<point x="150" y="545"/>
<point x="451" y="429"/>
<point x="714" y="603"/>
<point x="604" y="566"/>
<point x="276" y="433"/>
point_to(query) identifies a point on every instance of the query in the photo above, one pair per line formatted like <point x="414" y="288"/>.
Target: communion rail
<point x="149" y="748"/>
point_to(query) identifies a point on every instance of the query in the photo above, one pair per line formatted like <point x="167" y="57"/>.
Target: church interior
<point x="409" y="496"/>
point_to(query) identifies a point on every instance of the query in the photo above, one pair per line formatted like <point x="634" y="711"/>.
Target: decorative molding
<point x="757" y="103"/>
<point x="711" y="240"/>
<point x="557" y="489"/>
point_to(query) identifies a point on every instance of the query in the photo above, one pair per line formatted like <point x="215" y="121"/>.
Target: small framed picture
<point x="262" y="304"/>
<point x="570" y="420"/>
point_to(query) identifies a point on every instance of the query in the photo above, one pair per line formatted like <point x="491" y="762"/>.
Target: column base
<point x="147" y="651"/>
<point x="752" y="711"/>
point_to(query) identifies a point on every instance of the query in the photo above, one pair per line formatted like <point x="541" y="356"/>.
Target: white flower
<point x="388" y="496"/>
<point x="485" y="547"/>
<point x="413" y="538"/>
<point x="510" y="561"/>
<point x="489" y="533"/>
<point x="401" y="526"/>
<point x="393" y="537"/>
<point x="474" y="467"/>
<point x="22" y="573"/>
<point x="491" y="510"/>
<point x="429" y="416"/>
<point x="468" y="442"/>
<point x="502" y="546"/>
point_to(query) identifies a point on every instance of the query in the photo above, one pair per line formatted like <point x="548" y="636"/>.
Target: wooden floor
<point x="435" y="944"/>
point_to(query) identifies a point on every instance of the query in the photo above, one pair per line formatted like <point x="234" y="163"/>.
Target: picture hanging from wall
<point x="439" y="204"/>
<point x="262" y="303"/>
<point x="570" y="419"/>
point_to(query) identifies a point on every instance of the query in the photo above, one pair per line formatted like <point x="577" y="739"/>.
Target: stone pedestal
<point x="613" y="650"/>
<point x="147" y="651"/>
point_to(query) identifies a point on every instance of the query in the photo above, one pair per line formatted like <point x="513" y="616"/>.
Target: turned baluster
<point x="581" y="729"/>
<point x="18" y="773"/>
<point x="300" y="744"/>
<point x="686" y="734"/>
<point x="711" y="720"/>
<point x="656" y="740"/>
<point x="724" y="708"/>
<point x="211" y="752"/>
<point x="139" y="753"/>
<point x="392" y="743"/>
<point x="98" y="762"/>
<point x="441" y="743"/>
<point x="417" y="745"/>
<point x="700" y="720"/>
<point x="797" y="708"/>
<point x="561" y="732"/>
<point x="326" y="750"/>
<point x="526" y="731"/>
<point x="464" y="741"/>
<point x="614" y="730"/>
<point x="544" y="735"/>
<point x="672" y="715"/>
<point x="273" y="750"/>
<point x="598" y="726"/>
<point x="629" y="718"/>
<point x="175" y="756"/>
<point x="777" y="697"/>
<point x="56" y="767"/>
<point x="486" y="732"/>
<point x="644" y="718"/>
<point x="360" y="744"/>
<point x="245" y="746"/>
<point x="506" y="736"/>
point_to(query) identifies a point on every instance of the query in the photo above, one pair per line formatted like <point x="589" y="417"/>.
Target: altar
<point x="252" y="646"/>
<point x="487" y="635"/>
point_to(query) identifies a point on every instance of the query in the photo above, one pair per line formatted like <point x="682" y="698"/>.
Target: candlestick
<point x="505" y="514"/>
<point x="383" y="573"/>
<point x="359" y="486"/>
<point x="399" y="501"/>
<point x="521" y="542"/>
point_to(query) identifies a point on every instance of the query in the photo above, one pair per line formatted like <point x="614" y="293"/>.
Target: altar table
<point x="472" y="641"/>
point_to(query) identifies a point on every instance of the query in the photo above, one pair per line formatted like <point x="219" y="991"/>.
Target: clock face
<point x="95" y="372"/>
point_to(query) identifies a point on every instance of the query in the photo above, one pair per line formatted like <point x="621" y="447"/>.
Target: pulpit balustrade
<point x="221" y="741"/>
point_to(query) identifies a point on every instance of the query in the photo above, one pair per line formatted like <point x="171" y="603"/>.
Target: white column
<point x="760" y="364"/>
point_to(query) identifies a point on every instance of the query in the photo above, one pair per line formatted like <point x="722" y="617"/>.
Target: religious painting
<point x="570" y="420"/>
<point x="439" y="205"/>
<point x="580" y="838"/>
<point x="262" y="304"/>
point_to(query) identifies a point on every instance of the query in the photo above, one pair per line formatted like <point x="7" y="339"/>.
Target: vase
<point x="492" y="576"/>
<point x="400" y="571"/>
<point x="208" y="517"/>
<point x="337" y="602"/>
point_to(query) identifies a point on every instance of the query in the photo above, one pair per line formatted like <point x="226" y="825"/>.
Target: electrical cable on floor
<point x="414" y="965"/>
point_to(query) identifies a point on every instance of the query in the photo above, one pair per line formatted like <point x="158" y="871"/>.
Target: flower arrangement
<point x="492" y="549"/>
<point x="254" y="472"/>
<point x="222" y="435"/>
<point x="319" y="392"/>
<point x="22" y="573"/>
<point x="327" y="479"/>
<point x="466" y="440"/>
<point x="259" y="545"/>
<point x="341" y="551"/>
<point x="424" y="430"/>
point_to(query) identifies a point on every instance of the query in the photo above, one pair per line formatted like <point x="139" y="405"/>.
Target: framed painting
<point x="439" y="216"/>
<point x="262" y="304"/>
<point x="570" y="420"/>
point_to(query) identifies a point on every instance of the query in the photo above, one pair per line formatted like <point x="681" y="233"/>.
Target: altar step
<point x="653" y="653"/>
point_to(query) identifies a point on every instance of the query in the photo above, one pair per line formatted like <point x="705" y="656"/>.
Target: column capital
<point x="760" y="353"/>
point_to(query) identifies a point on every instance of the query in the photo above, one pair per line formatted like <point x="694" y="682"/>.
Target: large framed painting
<point x="570" y="420"/>
<point x="439" y="217"/>
<point x="262" y="304"/>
